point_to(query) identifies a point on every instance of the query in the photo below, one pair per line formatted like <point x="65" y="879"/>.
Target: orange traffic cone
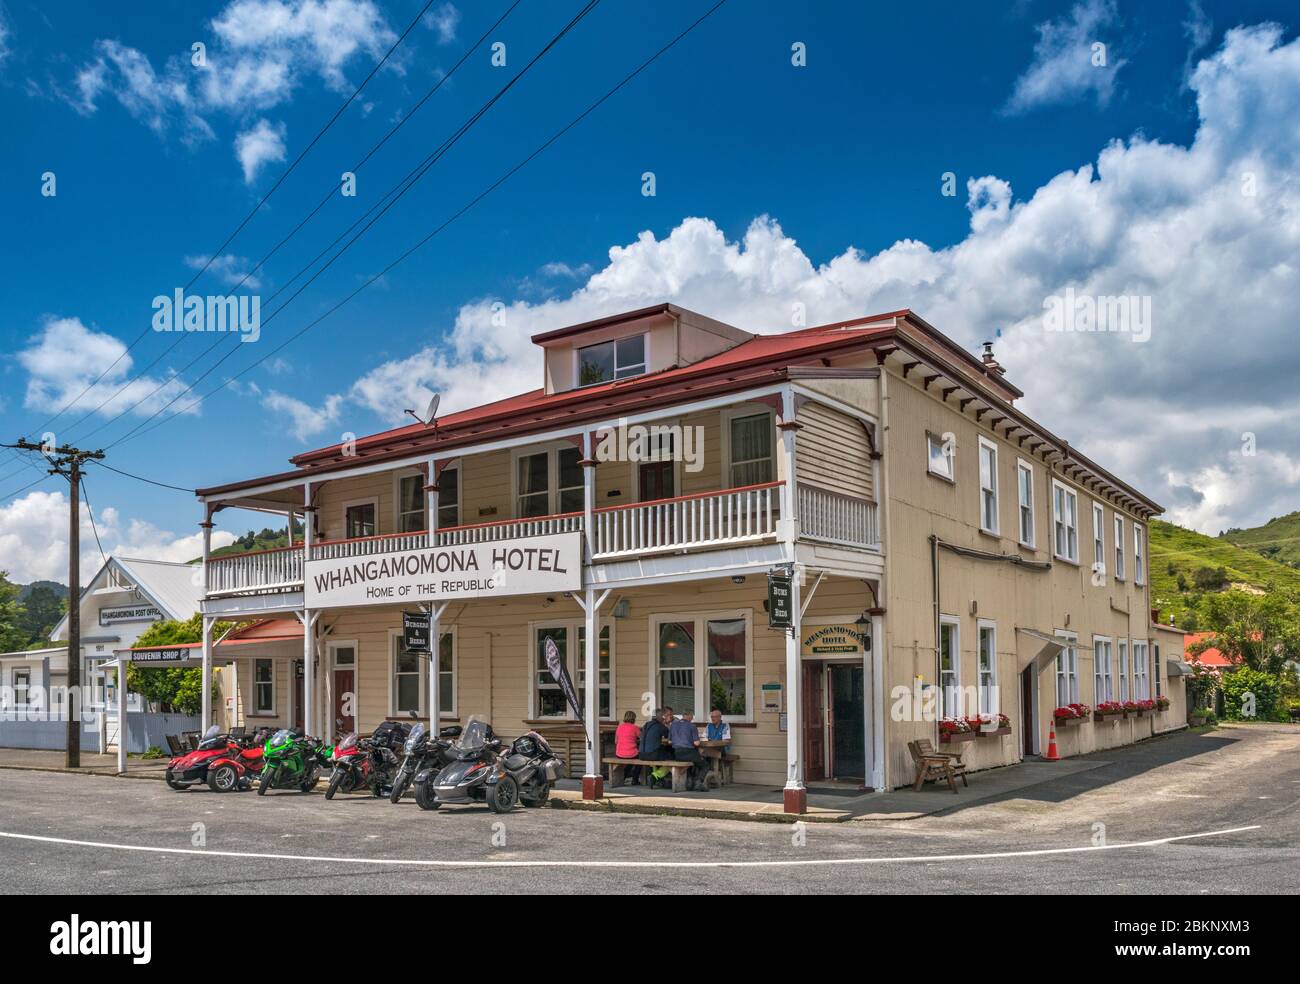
<point x="1052" y="754"/>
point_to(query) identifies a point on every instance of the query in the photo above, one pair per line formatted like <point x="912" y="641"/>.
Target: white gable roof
<point x="174" y="587"/>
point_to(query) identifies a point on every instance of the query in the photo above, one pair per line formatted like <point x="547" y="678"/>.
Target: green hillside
<point x="1206" y="564"/>
<point x="1278" y="539"/>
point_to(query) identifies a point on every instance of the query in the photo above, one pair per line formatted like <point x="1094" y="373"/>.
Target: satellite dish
<point x="430" y="412"/>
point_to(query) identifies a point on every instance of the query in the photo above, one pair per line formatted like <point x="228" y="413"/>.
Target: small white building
<point x="118" y="604"/>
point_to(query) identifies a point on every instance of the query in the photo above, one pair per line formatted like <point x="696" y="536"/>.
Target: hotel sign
<point x="834" y="640"/>
<point x="498" y="568"/>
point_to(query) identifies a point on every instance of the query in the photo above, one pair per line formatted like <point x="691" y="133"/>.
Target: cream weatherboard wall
<point x="1059" y="599"/>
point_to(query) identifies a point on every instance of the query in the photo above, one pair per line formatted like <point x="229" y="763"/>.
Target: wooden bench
<point x="616" y="766"/>
<point x="174" y="746"/>
<point x="934" y="765"/>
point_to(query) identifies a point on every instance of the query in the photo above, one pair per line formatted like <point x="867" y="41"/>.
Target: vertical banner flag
<point x="561" y="675"/>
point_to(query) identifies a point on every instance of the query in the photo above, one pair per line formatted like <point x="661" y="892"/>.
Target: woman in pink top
<point x="627" y="745"/>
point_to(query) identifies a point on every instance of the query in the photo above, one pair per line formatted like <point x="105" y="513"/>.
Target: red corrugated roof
<point x="1211" y="657"/>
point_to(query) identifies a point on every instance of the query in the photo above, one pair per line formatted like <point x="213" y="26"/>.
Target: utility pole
<point x="67" y="461"/>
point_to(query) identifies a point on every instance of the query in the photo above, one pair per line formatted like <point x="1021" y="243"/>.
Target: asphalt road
<point x="1044" y="838"/>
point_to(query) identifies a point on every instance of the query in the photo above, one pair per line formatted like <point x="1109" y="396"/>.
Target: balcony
<point x="702" y="521"/>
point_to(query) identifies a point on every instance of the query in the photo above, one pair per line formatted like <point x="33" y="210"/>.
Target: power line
<point x="141" y="478"/>
<point x="239" y="228"/>
<point x="329" y="194"/>
<point x="91" y="513"/>
<point x="131" y="435"/>
<point x="412" y="178"/>
<point x="9" y="495"/>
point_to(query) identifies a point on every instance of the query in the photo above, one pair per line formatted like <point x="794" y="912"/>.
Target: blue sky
<point x="844" y="156"/>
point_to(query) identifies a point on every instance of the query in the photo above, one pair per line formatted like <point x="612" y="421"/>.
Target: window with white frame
<point x="750" y="450"/>
<point x="410" y="674"/>
<point x="1102" y="679"/>
<point x="1121" y="649"/>
<point x="1065" y="522"/>
<point x="1025" y="500"/>
<point x="548" y="481"/>
<point x="618" y="358"/>
<point x="703" y="662"/>
<point x="360" y="519"/>
<point x="570" y="638"/>
<point x="1119" y="548"/>
<point x="949" y="667"/>
<point x="1141" y="682"/>
<point x="264" y="686"/>
<point x="1098" y="539"/>
<point x="410" y="503"/>
<point x="941" y="456"/>
<point x="1067" y="675"/>
<point x="988" y="486"/>
<point x="1139" y="554"/>
<point x="988" y="668"/>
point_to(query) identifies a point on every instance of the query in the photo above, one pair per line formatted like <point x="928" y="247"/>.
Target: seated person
<point x="718" y="730"/>
<point x="685" y="739"/>
<point x="655" y="743"/>
<point x="627" y="745"/>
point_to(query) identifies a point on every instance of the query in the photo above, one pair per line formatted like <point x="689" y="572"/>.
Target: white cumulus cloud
<point x="1066" y="65"/>
<point x="259" y="145"/>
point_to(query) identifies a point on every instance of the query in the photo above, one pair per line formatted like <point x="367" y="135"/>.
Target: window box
<point x="956" y="738"/>
<point x="1108" y="709"/>
<point x="990" y="726"/>
<point x="1071" y="714"/>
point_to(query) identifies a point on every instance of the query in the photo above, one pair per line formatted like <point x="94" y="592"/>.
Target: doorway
<point x="1029" y="710"/>
<point x="345" y="686"/>
<point x="834" y="707"/>
<point x="297" y="694"/>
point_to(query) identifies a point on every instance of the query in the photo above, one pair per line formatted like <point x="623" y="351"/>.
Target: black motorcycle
<point x="483" y="773"/>
<point x="421" y="752"/>
<point x="367" y="763"/>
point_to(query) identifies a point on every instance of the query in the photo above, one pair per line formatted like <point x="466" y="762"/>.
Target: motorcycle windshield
<point x="280" y="740"/>
<point x="474" y="737"/>
<point x="414" y="738"/>
<point x="347" y="745"/>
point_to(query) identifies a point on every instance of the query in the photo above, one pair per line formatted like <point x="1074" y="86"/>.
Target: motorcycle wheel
<point x="425" y="797"/>
<point x="178" y="786"/>
<point x="543" y="794"/>
<point x="399" y="787"/>
<point x="336" y="781"/>
<point x="267" y="781"/>
<point x="502" y="797"/>
<point x="222" y="779"/>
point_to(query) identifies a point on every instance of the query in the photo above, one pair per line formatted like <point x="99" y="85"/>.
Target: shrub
<point x="1244" y="682"/>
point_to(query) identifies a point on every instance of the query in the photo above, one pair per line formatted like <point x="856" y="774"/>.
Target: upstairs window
<point x="940" y="455"/>
<point x="1065" y="516"/>
<point x="449" y="498"/>
<point x="1139" y="555"/>
<point x="548" y="482"/>
<point x="410" y="504"/>
<point x="988" y="486"/>
<point x="1119" y="548"/>
<point x="1098" y="539"/>
<point x="1025" y="482"/>
<point x="359" y="519"/>
<point x="751" y="450"/>
<point x="615" y="359"/>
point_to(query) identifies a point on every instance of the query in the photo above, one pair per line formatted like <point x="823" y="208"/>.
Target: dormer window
<point x="615" y="359"/>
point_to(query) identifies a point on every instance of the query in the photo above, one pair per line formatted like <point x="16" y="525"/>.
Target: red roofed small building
<point x="1210" y="659"/>
<point x="634" y="516"/>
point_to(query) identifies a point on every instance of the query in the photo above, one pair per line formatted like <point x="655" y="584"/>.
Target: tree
<point x="1210" y="578"/>
<point x="12" y="636"/>
<point x="43" y="610"/>
<point x="1261" y="632"/>
<point x="177" y="688"/>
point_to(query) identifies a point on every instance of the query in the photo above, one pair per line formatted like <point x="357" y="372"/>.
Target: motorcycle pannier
<point x="389" y="734"/>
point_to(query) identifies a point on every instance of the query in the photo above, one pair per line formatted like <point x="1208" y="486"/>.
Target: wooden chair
<point x="934" y="765"/>
<point x="191" y="738"/>
<point x="174" y="745"/>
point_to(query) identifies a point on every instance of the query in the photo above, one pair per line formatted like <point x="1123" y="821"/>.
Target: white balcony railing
<point x="703" y="520"/>
<point x="837" y="518"/>
<point x="700" y="521"/>
<point x="454" y="536"/>
<point x="262" y="570"/>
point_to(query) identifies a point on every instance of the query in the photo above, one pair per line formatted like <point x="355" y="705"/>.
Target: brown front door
<point x="814" y="716"/>
<point x="655" y="480"/>
<point x="1028" y="726"/>
<point x="343" y="690"/>
<point x="297" y="694"/>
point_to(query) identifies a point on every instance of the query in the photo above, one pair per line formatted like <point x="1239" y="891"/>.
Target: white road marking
<point x="806" y="863"/>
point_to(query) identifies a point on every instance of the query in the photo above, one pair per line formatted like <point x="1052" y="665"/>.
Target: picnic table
<point x="719" y="761"/>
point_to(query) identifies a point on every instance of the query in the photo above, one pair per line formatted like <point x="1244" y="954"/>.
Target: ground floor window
<point x="410" y="675"/>
<point x="988" y="668"/>
<point x="264" y="686"/>
<point x="570" y="638"/>
<point x="1067" y="676"/>
<point x="1101" y="674"/>
<point x="703" y="662"/>
<point x="1141" y="684"/>
<point x="1155" y="667"/>
<point x="1122" y="648"/>
<point x="949" y="667"/>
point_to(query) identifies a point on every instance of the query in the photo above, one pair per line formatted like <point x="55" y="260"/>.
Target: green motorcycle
<point x="291" y="760"/>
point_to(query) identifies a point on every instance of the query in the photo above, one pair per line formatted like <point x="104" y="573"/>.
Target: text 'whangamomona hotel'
<point x="944" y="546"/>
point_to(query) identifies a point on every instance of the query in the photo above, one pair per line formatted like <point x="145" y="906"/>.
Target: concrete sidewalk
<point x="92" y="763"/>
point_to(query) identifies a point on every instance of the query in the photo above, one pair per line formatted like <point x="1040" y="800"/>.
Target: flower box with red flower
<point x="954" y="730"/>
<point x="1143" y="707"/>
<point x="1162" y="703"/>
<point x="1107" y="709"/>
<point x="990" y="725"/>
<point x="1071" y="713"/>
